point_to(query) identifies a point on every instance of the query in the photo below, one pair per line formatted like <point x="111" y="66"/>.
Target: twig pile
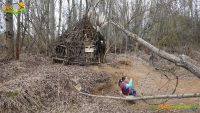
<point x="71" y="45"/>
<point x="81" y="31"/>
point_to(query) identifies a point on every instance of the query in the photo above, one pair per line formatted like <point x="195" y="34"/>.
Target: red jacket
<point x="125" y="90"/>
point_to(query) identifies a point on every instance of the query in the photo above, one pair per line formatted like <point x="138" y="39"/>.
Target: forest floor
<point x="35" y="84"/>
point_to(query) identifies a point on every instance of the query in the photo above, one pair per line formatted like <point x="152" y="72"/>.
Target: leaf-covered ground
<point x="34" y="84"/>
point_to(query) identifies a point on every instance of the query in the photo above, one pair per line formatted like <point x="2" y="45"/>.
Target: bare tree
<point x="69" y="14"/>
<point x="52" y="19"/>
<point x="18" y="35"/>
<point x="74" y="10"/>
<point x="9" y="32"/>
<point x="80" y="9"/>
<point x="26" y="25"/>
<point x="60" y="13"/>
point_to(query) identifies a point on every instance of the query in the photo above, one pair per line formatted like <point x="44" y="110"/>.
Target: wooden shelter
<point x="80" y="44"/>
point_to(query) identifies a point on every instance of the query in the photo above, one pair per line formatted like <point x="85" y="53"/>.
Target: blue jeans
<point x="132" y="92"/>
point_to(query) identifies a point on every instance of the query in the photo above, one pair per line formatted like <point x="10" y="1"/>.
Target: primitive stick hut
<point x="80" y="44"/>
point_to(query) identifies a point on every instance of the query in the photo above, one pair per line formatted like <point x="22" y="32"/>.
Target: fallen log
<point x="182" y="60"/>
<point x="78" y="88"/>
<point x="132" y="98"/>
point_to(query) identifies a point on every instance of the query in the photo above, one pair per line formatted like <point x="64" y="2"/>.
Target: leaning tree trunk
<point x="181" y="60"/>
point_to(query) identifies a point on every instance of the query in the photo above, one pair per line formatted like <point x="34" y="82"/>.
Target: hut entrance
<point x="80" y="44"/>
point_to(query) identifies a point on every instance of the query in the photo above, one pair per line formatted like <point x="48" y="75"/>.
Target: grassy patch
<point x="9" y="93"/>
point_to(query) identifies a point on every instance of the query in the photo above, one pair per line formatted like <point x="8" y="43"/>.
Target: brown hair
<point x="123" y="78"/>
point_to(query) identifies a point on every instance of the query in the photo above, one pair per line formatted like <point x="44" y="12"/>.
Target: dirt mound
<point x="46" y="86"/>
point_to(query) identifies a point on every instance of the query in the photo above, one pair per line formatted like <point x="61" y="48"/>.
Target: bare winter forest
<point x="67" y="56"/>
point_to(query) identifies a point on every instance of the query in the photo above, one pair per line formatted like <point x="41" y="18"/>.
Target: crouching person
<point x="126" y="86"/>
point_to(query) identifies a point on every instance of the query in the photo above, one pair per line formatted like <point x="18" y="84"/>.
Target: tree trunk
<point x="87" y="7"/>
<point x="48" y="25"/>
<point x="60" y="13"/>
<point x="132" y="98"/>
<point x="136" y="47"/>
<point x="70" y="14"/>
<point x="182" y="60"/>
<point x="1" y="18"/>
<point x="9" y="33"/>
<point x="74" y="17"/>
<point x="18" y="36"/>
<point x="80" y="10"/>
<point x="109" y="30"/>
<point x="26" y="25"/>
<point x="52" y="19"/>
